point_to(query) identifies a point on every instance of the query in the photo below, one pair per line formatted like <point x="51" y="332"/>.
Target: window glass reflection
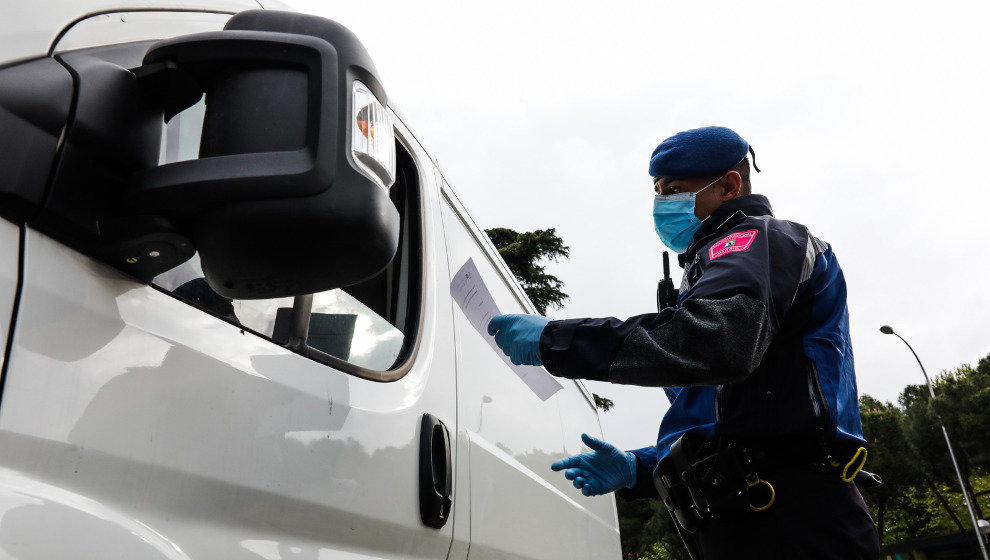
<point x="345" y="328"/>
<point x="187" y="283"/>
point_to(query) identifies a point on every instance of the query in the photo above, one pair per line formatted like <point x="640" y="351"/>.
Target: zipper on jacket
<point x="816" y="393"/>
<point x="718" y="403"/>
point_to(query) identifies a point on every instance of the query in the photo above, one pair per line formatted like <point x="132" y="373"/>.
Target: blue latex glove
<point x="604" y="470"/>
<point x="519" y="337"/>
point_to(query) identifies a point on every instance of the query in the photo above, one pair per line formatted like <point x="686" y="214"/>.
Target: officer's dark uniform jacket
<point x="756" y="347"/>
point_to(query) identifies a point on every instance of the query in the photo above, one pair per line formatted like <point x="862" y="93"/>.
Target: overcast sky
<point x="870" y="122"/>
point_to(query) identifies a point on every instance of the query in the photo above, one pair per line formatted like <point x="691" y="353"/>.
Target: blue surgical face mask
<point x="673" y="216"/>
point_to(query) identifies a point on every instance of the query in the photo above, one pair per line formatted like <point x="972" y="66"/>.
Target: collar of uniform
<point x="724" y="217"/>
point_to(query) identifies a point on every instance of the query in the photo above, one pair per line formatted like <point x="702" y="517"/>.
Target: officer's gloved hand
<point x="519" y="337"/>
<point x="604" y="470"/>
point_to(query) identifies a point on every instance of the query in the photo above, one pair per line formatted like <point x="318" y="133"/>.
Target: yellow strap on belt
<point x="858" y="457"/>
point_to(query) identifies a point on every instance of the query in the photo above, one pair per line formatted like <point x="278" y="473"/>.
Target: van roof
<point x="28" y="29"/>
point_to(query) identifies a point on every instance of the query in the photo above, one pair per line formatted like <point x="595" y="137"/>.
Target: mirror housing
<point x="277" y="203"/>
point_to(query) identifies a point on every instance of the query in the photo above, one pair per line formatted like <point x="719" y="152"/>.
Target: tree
<point x="921" y="496"/>
<point x="603" y="403"/>
<point x="892" y="455"/>
<point x="963" y="403"/>
<point x="647" y="531"/>
<point x="523" y="251"/>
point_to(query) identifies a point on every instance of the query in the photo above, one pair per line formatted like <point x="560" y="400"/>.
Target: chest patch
<point x="732" y="243"/>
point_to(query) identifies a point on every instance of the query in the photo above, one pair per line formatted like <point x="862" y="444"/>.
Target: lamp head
<point x="886" y="330"/>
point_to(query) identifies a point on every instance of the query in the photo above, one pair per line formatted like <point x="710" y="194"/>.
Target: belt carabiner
<point x="753" y="484"/>
<point x="861" y="452"/>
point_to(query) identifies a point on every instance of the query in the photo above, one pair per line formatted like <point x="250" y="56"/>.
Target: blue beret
<point x="699" y="152"/>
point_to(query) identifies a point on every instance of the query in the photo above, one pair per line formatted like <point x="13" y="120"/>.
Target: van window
<point x="188" y="283"/>
<point x="181" y="136"/>
<point x="180" y="142"/>
<point x="367" y="327"/>
<point x="374" y="324"/>
<point x="343" y="327"/>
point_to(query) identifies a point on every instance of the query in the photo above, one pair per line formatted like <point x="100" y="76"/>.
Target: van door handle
<point x="435" y="475"/>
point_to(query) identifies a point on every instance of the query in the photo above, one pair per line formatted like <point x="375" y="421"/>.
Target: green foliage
<point x="964" y="404"/>
<point x="890" y="455"/>
<point x="523" y="251"/>
<point x="922" y="429"/>
<point x="918" y="513"/>
<point x="601" y="402"/>
<point x="659" y="552"/>
<point x="647" y="531"/>
<point x="921" y="496"/>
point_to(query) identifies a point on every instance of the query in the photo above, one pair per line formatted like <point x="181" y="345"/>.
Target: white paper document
<point x="474" y="299"/>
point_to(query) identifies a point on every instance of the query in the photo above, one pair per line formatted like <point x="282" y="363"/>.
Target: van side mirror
<point x="290" y="193"/>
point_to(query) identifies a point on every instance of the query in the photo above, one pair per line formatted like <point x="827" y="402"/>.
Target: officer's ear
<point x="731" y="186"/>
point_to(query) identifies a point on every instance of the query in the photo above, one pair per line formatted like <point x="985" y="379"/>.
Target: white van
<point x="257" y="410"/>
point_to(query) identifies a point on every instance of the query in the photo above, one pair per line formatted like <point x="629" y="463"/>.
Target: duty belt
<point x="703" y="479"/>
<point x="698" y="480"/>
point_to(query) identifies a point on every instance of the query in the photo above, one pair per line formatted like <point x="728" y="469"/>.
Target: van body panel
<point x="276" y="5"/>
<point x="31" y="510"/>
<point x="577" y="418"/>
<point x="126" y="27"/>
<point x="491" y="253"/>
<point x="29" y="29"/>
<point x="10" y="235"/>
<point x="142" y="426"/>
<point x="216" y="438"/>
<point x="513" y="436"/>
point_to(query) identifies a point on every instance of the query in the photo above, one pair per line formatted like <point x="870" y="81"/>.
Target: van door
<point x="166" y="421"/>
<point x="10" y="236"/>
<point x="31" y="126"/>
<point x="519" y="507"/>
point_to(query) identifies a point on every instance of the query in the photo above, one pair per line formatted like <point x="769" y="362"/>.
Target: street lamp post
<point x="952" y="455"/>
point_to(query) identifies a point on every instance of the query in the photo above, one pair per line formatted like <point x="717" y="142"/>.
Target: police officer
<point x="755" y="358"/>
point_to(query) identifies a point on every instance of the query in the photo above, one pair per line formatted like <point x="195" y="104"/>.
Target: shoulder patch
<point x="732" y="243"/>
